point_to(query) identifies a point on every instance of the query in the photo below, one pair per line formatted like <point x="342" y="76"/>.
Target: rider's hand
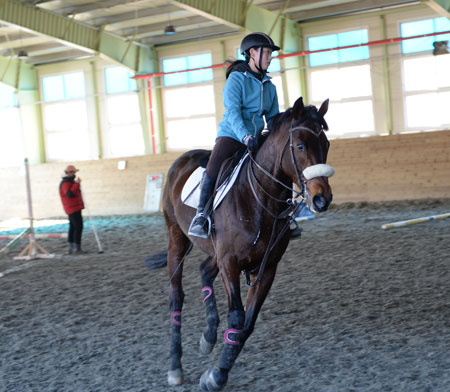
<point x="251" y="142"/>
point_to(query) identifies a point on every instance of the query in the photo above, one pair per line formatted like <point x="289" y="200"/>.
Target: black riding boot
<point x="71" y="248"/>
<point x="78" y="250"/>
<point x="200" y="224"/>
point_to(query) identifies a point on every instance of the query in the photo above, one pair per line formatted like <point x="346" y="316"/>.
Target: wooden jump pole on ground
<point x="415" y="221"/>
<point x="33" y="247"/>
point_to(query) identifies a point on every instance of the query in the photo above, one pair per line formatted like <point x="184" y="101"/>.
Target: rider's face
<point x="266" y="57"/>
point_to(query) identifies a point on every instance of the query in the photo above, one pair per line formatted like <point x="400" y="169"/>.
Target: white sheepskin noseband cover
<point x="319" y="170"/>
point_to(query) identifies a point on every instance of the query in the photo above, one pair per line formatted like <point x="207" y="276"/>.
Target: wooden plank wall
<point x="382" y="168"/>
<point x="397" y="167"/>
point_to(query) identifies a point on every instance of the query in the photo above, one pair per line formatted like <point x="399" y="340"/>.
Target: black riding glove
<point x="251" y="142"/>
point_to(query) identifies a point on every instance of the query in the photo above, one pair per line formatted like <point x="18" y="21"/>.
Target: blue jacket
<point x="247" y="100"/>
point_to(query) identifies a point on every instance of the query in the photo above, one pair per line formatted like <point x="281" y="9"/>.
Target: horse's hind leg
<point x="209" y="271"/>
<point x="178" y="246"/>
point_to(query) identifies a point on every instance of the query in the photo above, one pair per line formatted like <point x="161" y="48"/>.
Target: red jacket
<point x="70" y="194"/>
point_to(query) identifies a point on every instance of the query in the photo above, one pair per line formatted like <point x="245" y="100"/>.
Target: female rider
<point x="249" y="96"/>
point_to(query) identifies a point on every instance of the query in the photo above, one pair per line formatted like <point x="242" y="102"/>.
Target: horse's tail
<point x="158" y="260"/>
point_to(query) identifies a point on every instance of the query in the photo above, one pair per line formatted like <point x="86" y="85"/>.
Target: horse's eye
<point x="301" y="147"/>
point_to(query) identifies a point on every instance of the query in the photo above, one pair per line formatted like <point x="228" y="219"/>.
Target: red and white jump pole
<point x="53" y="235"/>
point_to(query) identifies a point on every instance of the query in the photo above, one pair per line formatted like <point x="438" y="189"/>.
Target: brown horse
<point x="250" y="230"/>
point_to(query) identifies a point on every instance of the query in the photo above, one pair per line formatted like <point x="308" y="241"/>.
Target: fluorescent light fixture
<point x="169" y="29"/>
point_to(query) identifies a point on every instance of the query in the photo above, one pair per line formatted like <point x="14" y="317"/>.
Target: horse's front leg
<point x="215" y="378"/>
<point x="209" y="271"/>
<point x="178" y="245"/>
<point x="239" y="331"/>
<point x="255" y="299"/>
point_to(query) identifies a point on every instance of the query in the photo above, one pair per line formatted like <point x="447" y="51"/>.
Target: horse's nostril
<point x="320" y="202"/>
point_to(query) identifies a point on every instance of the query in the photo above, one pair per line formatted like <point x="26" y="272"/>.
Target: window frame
<point x="405" y="128"/>
<point x="108" y="128"/>
<point x="12" y="136"/>
<point x="164" y="88"/>
<point x="87" y="152"/>
<point x="339" y="65"/>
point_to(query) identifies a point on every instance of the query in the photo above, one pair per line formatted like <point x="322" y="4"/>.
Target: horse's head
<point x="303" y="158"/>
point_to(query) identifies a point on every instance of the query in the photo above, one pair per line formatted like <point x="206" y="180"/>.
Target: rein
<point x="291" y="202"/>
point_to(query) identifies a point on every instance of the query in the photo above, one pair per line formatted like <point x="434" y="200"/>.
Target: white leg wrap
<point x="175" y="377"/>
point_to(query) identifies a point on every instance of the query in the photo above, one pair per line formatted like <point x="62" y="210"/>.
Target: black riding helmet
<point x="257" y="40"/>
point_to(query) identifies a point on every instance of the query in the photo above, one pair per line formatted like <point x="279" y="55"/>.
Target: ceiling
<point x="141" y="22"/>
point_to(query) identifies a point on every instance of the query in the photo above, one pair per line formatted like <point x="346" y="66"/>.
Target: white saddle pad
<point x="190" y="194"/>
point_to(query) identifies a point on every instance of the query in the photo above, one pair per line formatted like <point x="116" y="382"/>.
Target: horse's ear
<point x="298" y="108"/>
<point x="324" y="107"/>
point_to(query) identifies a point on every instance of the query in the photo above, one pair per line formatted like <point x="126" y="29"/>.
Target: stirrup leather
<point x="200" y="226"/>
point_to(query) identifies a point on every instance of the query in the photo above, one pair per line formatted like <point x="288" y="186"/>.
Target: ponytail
<point x="232" y="67"/>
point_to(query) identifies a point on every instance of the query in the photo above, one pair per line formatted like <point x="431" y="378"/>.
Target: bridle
<point x="292" y="202"/>
<point x="293" y="161"/>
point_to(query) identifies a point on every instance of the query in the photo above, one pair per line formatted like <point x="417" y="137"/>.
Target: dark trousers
<point x="75" y="227"/>
<point x="224" y="148"/>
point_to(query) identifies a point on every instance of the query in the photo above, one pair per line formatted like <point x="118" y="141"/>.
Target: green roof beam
<point x="242" y="15"/>
<point x="442" y="7"/>
<point x="135" y="56"/>
<point x="229" y="12"/>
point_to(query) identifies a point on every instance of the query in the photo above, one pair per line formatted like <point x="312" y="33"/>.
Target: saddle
<point x="227" y="176"/>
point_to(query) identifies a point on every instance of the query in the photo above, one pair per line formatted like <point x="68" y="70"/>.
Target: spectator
<point x="72" y="201"/>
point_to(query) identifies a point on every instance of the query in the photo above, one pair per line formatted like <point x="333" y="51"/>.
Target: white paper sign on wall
<point x="153" y="190"/>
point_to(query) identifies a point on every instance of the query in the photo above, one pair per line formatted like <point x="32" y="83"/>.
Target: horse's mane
<point x="309" y="114"/>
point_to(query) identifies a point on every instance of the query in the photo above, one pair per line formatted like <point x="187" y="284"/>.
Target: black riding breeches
<point x="224" y="148"/>
<point x="75" y="227"/>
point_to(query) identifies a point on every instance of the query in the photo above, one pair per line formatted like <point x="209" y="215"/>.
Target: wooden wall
<point x="398" y="167"/>
<point x="381" y="168"/>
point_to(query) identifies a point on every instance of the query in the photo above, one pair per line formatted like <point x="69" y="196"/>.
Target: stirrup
<point x="200" y="226"/>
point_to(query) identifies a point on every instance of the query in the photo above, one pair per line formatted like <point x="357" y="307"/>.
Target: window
<point x="344" y="76"/>
<point x="123" y="134"/>
<point x="337" y="40"/>
<point x="189" y="108"/>
<point x="119" y="80"/>
<point x="11" y="144"/>
<point x="65" y="117"/>
<point x="426" y="80"/>
<point x="8" y="97"/>
<point x="62" y="87"/>
<point x="426" y="26"/>
<point x="189" y="62"/>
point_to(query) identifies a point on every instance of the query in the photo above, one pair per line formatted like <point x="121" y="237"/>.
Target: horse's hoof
<point x="205" y="346"/>
<point x="175" y="377"/>
<point x="212" y="380"/>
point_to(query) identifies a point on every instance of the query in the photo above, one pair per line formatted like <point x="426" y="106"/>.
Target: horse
<point x="249" y="232"/>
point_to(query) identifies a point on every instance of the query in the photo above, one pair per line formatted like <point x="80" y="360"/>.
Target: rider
<point x="248" y="96"/>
